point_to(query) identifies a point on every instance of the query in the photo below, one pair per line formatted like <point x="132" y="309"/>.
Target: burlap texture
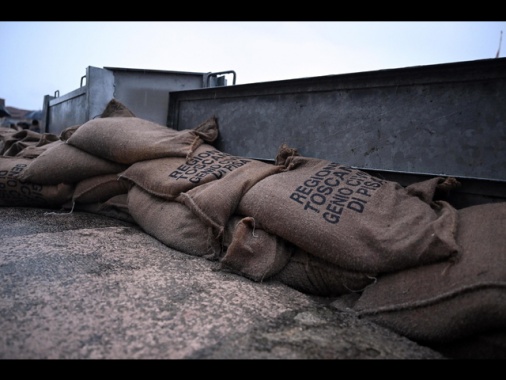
<point x="252" y="252"/>
<point x="115" y="207"/>
<point x="173" y="224"/>
<point x="312" y="275"/>
<point x="64" y="163"/>
<point x="127" y="140"/>
<point x="19" y="193"/>
<point x="350" y="218"/>
<point x="67" y="132"/>
<point x="168" y="177"/>
<point x="9" y="136"/>
<point x="434" y="187"/>
<point x="447" y="301"/>
<point x="33" y="150"/>
<point x="258" y="255"/>
<point x="99" y="188"/>
<point x="215" y="202"/>
<point x="12" y="143"/>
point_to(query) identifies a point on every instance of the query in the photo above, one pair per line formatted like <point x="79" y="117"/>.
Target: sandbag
<point x="251" y="252"/>
<point x="170" y="176"/>
<point x="35" y="149"/>
<point x="311" y="275"/>
<point x="448" y="301"/>
<point x="173" y="224"/>
<point x="215" y="202"/>
<point x="349" y="218"/>
<point x="8" y="136"/>
<point x="99" y="188"/>
<point x="20" y="193"/>
<point x="127" y="140"/>
<point x="115" y="207"/>
<point x="67" y="132"/>
<point x="12" y="143"/>
<point x="64" y="163"/>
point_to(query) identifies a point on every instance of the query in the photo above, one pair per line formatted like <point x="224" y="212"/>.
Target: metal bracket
<point x="215" y="75"/>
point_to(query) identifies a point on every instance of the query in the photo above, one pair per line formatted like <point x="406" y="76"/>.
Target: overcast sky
<point x="40" y="58"/>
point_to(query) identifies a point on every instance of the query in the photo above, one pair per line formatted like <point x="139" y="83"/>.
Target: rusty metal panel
<point x="447" y="119"/>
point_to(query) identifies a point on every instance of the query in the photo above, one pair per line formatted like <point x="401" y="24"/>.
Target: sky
<point x="45" y="57"/>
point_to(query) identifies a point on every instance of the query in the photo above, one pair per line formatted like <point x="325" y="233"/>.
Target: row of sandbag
<point x="418" y="265"/>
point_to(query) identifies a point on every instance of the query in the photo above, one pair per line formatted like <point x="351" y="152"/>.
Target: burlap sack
<point x="215" y="202"/>
<point x="168" y="177"/>
<point x="312" y="275"/>
<point x="64" y="163"/>
<point x="11" y="137"/>
<point x="67" y="132"/>
<point x="17" y="147"/>
<point x="445" y="302"/>
<point x="127" y="140"/>
<point x="14" y="143"/>
<point x="349" y="218"/>
<point x="99" y="188"/>
<point x="115" y="207"/>
<point x="436" y="187"/>
<point x="173" y="224"/>
<point x="258" y="255"/>
<point x="31" y="149"/>
<point x="19" y="193"/>
<point x="252" y="252"/>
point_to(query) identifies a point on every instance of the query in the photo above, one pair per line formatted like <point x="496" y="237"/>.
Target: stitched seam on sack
<point x="430" y="301"/>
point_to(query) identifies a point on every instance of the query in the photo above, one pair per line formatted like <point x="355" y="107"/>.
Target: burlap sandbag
<point x="17" y="147"/>
<point x="258" y="255"/>
<point x="349" y="218"/>
<point x="33" y="150"/>
<point x="99" y="188"/>
<point x="447" y="301"/>
<point x="173" y="224"/>
<point x="14" y="143"/>
<point x="19" y="193"/>
<point x="67" y="132"/>
<point x="127" y="140"/>
<point x="115" y="207"/>
<point x="312" y="275"/>
<point x="215" y="202"/>
<point x="251" y="252"/>
<point x="64" y="163"/>
<point x="168" y="177"/>
<point x="9" y="136"/>
<point x="436" y="187"/>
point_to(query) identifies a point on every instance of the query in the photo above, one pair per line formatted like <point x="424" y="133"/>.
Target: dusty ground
<point x="84" y="286"/>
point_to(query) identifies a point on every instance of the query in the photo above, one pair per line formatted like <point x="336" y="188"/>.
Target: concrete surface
<point x="85" y="286"/>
